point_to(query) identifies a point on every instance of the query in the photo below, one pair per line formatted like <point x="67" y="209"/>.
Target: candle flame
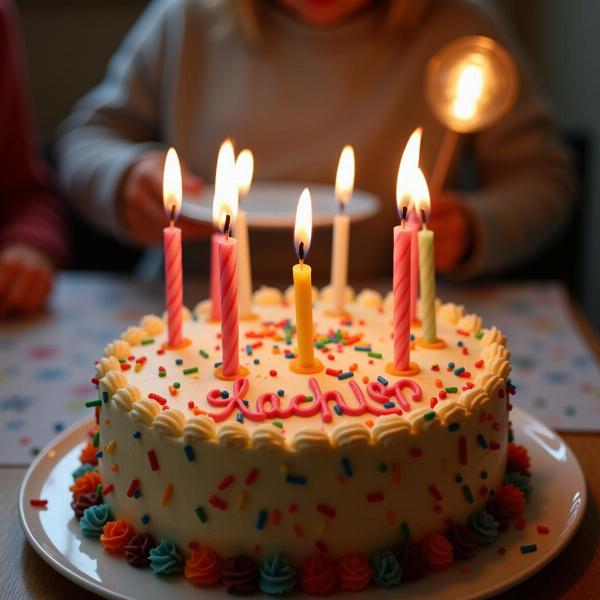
<point x="303" y="225"/>
<point x="409" y="163"/>
<point x="344" y="180"/>
<point x="172" y="186"/>
<point x="420" y="195"/>
<point x="225" y="201"/>
<point x="469" y="89"/>
<point x="244" y="170"/>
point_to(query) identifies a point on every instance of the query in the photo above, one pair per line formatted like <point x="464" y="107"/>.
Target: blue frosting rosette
<point x="277" y="576"/>
<point x="484" y="526"/>
<point x="82" y="470"/>
<point x="94" y="519"/>
<point x="165" y="560"/>
<point x="387" y="572"/>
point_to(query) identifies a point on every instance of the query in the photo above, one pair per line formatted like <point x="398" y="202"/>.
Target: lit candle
<point x="426" y="265"/>
<point x="401" y="366"/>
<point x="305" y="362"/>
<point x="408" y="164"/>
<point x="225" y="206"/>
<point x="344" y="183"/>
<point x="244" y="169"/>
<point x="172" y="193"/>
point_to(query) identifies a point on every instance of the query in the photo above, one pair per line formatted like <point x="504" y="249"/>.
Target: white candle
<point x="244" y="169"/>
<point x="344" y="184"/>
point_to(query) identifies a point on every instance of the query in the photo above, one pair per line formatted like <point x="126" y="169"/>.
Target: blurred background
<point x="68" y="43"/>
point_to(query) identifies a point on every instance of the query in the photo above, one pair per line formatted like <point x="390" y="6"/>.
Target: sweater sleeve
<point x="526" y="185"/>
<point x="115" y="123"/>
<point x="31" y="212"/>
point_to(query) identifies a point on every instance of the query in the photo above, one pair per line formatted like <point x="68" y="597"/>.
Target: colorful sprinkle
<point x="166" y="498"/>
<point x="374" y="354"/>
<point x="295" y="479"/>
<point x="261" y="519"/>
<point x="189" y="453"/>
<point x="133" y="486"/>
<point x="528" y="549"/>
<point x="382" y="380"/>
<point x="162" y="401"/>
<point x="145" y="519"/>
<point x="405" y="530"/>
<point x="328" y="511"/>
<point x="251" y="477"/>
<point x="482" y="441"/>
<point x="462" y="451"/>
<point x="241" y="501"/>
<point x="201" y="514"/>
<point x="190" y="370"/>
<point x="375" y="497"/>
<point x="152" y="460"/>
<point x="346" y="467"/>
<point x="38" y="503"/>
<point x="218" y="502"/>
<point x="468" y="494"/>
<point x="226" y="482"/>
<point x="435" y="493"/>
<point x="92" y="403"/>
<point x="454" y="427"/>
<point x="345" y="375"/>
<point x="543" y="529"/>
<point x="451" y="390"/>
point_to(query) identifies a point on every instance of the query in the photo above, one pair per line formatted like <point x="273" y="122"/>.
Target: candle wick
<point x="226" y="226"/>
<point x="342" y="207"/>
<point x="301" y="252"/>
<point x="172" y="214"/>
<point x="404" y="213"/>
<point x="424" y="218"/>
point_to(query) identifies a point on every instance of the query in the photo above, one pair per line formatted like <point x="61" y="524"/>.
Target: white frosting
<point x="134" y="335"/>
<point x="233" y="435"/>
<point x="490" y="382"/>
<point x="470" y="323"/>
<point x="200" y="428"/>
<point x="144" y="411"/>
<point x="118" y="349"/>
<point x="327" y="294"/>
<point x="450" y="313"/>
<point x="290" y="298"/>
<point x="267" y="296"/>
<point x="369" y="299"/>
<point x="106" y="364"/>
<point x="474" y="399"/>
<point x="152" y="325"/>
<point x="499" y="366"/>
<point x="390" y="430"/>
<point x="492" y="335"/>
<point x="124" y="398"/>
<point x="112" y="381"/>
<point x="169" y="422"/>
<point x="451" y="412"/>
<point x="350" y="435"/>
<point x="494" y="350"/>
<point x="268" y="438"/>
<point x="310" y="439"/>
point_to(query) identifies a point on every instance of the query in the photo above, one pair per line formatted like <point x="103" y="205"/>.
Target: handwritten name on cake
<point x="379" y="400"/>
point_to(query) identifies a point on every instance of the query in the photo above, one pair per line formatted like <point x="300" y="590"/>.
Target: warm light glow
<point x="420" y="194"/>
<point x="409" y="163"/>
<point x="244" y="170"/>
<point x="303" y="226"/>
<point x="172" y="191"/>
<point x="469" y="89"/>
<point x="225" y="201"/>
<point x="344" y="179"/>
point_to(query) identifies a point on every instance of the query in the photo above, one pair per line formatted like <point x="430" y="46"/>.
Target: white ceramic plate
<point x="273" y="205"/>
<point x="558" y="502"/>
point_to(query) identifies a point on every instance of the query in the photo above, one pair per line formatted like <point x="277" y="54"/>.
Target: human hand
<point x="141" y="200"/>
<point x="453" y="232"/>
<point x="25" y="279"/>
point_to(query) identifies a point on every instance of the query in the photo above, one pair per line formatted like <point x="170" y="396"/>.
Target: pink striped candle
<point x="174" y="283"/>
<point x="229" y="304"/>
<point x="215" y="294"/>
<point x="414" y="225"/>
<point x="401" y="290"/>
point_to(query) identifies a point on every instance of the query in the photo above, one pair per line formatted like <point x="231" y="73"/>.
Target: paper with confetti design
<point x="46" y="364"/>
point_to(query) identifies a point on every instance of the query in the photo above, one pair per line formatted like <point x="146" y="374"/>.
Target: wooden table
<point x="574" y="574"/>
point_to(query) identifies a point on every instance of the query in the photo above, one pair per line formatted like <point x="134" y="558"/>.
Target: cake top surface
<point x="353" y="400"/>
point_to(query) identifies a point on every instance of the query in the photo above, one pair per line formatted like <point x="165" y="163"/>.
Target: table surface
<point x="574" y="574"/>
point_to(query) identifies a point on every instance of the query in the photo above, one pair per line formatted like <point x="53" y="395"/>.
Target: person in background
<point x="295" y="80"/>
<point x="32" y="235"/>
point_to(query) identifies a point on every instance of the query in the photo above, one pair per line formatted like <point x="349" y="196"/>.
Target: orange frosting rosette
<point x="88" y="482"/>
<point x="88" y="455"/>
<point x="116" y="535"/>
<point x="203" y="568"/>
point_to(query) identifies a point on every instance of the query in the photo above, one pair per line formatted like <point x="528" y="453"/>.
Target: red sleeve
<point x="29" y="209"/>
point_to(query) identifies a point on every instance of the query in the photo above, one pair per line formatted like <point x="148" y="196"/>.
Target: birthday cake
<point x="279" y="480"/>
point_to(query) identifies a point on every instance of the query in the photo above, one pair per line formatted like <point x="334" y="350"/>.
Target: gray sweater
<point x="187" y="76"/>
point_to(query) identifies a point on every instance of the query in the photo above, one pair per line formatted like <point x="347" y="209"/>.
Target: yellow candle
<point x="305" y="362"/>
<point x="427" y="284"/>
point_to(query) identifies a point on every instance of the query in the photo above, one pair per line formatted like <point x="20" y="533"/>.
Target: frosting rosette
<point x="369" y="299"/>
<point x="137" y="550"/>
<point x="351" y="435"/>
<point x="240" y="575"/>
<point x="169" y="423"/>
<point x="520" y="481"/>
<point x="106" y="364"/>
<point x="508" y="503"/>
<point x="277" y="576"/>
<point x="390" y="430"/>
<point x="462" y="540"/>
<point x="88" y="482"/>
<point x="118" y="349"/>
<point x="124" y="398"/>
<point x="355" y="572"/>
<point x="411" y="559"/>
<point x="327" y="294"/>
<point x="134" y="335"/>
<point x="203" y="568"/>
<point x="93" y="520"/>
<point x="82" y="470"/>
<point x="233" y="435"/>
<point x="112" y="381"/>
<point x="84" y="501"/>
<point x="387" y="571"/>
<point x="319" y="575"/>
<point x="267" y="296"/>
<point x="88" y="454"/>
<point x="310" y="439"/>
<point x="116" y="535"/>
<point x="201" y="428"/>
<point x="450" y="313"/>
<point x="470" y="323"/>
<point x="484" y="526"/>
<point x="268" y="438"/>
<point x="144" y="411"/>
<point x="165" y="560"/>
<point x="437" y="551"/>
<point x="152" y="324"/>
<point x="517" y="459"/>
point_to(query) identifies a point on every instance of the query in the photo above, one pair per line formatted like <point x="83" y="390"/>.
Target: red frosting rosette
<point x="116" y="535"/>
<point x="517" y="459"/>
<point x="437" y="551"/>
<point x="355" y="572"/>
<point x="203" y="567"/>
<point x="508" y="503"/>
<point x="88" y="455"/>
<point x="86" y="483"/>
<point x="319" y="575"/>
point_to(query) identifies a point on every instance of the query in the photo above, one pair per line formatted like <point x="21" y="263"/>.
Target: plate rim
<point x="76" y="576"/>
